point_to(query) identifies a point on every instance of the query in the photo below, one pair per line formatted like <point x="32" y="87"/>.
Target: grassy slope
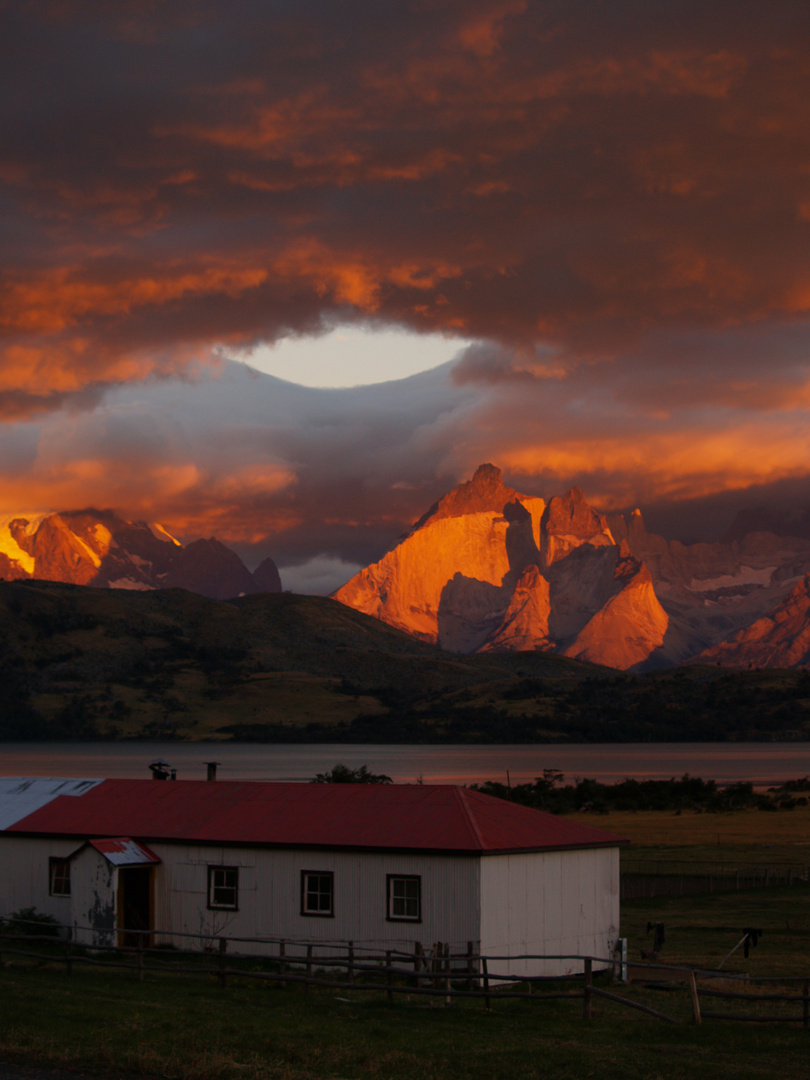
<point x="98" y="662"/>
<point x="88" y="663"/>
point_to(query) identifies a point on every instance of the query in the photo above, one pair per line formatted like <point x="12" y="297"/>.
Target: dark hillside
<point x="84" y="663"/>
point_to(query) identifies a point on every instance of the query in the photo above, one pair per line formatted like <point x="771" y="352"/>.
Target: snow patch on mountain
<point x="746" y="575"/>
<point x="10" y="548"/>
<point x="103" y="538"/>
<point x="91" y="555"/>
<point x="160" y="533"/>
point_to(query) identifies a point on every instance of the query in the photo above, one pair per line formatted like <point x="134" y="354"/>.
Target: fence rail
<point x="436" y="971"/>
<point x="646" y="879"/>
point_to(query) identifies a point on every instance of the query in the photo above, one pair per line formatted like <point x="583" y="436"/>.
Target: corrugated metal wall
<point x="563" y="902"/>
<point x="270" y="895"/>
<point x="550" y="902"/>
<point x="24" y="881"/>
<point x="94" y="887"/>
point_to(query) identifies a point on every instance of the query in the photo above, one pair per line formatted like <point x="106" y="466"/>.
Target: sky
<point x="584" y="225"/>
<point x="351" y="356"/>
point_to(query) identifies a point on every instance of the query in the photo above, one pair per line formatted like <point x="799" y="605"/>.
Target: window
<point x="59" y="877"/>
<point x="404" y="898"/>
<point x="317" y="892"/>
<point x="223" y="887"/>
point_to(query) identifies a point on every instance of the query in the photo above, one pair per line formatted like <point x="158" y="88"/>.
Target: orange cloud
<point x="676" y="465"/>
<point x="483" y="32"/>
<point x="612" y="198"/>
<point x="61" y="298"/>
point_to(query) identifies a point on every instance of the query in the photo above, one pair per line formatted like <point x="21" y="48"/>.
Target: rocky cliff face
<point x="488" y="568"/>
<point x="98" y="548"/>
<point x="712" y="590"/>
<point x="568" y="523"/>
<point x="410" y="584"/>
<point x="630" y="626"/>
<point x="780" y="639"/>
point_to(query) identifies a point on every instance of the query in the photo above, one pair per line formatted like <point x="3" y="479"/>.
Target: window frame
<point x="212" y="871"/>
<point x="54" y="862"/>
<point x="308" y="912"/>
<point x="390" y="898"/>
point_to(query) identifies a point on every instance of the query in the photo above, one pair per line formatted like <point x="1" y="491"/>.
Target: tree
<point x="342" y="774"/>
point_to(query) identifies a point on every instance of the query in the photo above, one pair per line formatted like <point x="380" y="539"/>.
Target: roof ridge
<point x="461" y="795"/>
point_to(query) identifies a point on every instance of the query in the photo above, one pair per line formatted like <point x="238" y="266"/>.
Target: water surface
<point x="761" y="763"/>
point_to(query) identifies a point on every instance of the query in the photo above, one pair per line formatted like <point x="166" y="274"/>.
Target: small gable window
<point x="59" y="873"/>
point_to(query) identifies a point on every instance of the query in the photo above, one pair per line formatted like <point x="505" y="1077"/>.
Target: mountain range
<point x="99" y="548"/>
<point x="490" y="569"/>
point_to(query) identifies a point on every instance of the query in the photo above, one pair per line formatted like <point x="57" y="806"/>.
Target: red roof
<point x="401" y="816"/>
<point x="125" y="852"/>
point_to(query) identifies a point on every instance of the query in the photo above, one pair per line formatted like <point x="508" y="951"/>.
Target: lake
<point x="763" y="764"/>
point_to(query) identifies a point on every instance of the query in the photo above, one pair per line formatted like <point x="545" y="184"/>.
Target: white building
<point x="378" y="865"/>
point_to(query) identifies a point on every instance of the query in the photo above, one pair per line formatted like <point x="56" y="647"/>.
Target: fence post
<point x="485" y="972"/>
<point x="693" y="992"/>
<point x="389" y="978"/>
<point x="806" y="1002"/>
<point x="417" y="962"/>
<point x="223" y="948"/>
<point x="139" y="956"/>
<point x="351" y="962"/>
<point x="587" y="996"/>
<point x="309" y="969"/>
<point x="469" y="965"/>
<point x="68" y="950"/>
<point x="282" y="966"/>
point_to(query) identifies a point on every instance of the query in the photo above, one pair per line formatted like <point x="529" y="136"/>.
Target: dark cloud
<point x="614" y="199"/>
<point x="574" y="173"/>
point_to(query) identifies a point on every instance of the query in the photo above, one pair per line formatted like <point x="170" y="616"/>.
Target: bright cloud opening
<point x="349" y="356"/>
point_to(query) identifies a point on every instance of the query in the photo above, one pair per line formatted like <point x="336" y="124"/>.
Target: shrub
<point x="30" y="921"/>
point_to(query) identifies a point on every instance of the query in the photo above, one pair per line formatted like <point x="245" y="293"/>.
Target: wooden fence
<point x="648" y="878"/>
<point x="435" y="971"/>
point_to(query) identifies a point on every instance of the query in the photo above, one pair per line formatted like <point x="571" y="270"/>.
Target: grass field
<point x="753" y="830"/>
<point x="185" y="1028"/>
<point x="742" y="838"/>
<point x="702" y="930"/>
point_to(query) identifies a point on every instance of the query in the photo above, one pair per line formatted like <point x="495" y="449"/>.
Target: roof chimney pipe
<point x="160" y="769"/>
<point x="212" y="769"/>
